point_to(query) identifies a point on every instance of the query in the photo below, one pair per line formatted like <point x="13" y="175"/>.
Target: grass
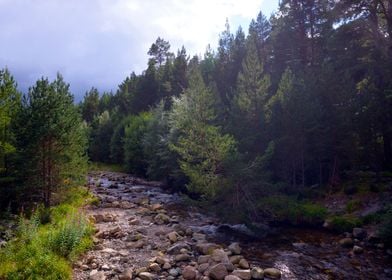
<point x="46" y="250"/>
<point x="101" y="166"/>
<point x="344" y="223"/>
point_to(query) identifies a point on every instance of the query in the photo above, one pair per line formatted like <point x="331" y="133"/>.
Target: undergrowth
<point x="45" y="249"/>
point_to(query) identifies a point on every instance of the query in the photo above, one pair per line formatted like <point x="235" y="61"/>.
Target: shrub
<point x="344" y="223"/>
<point x="386" y="227"/>
<point x="353" y="205"/>
<point x="67" y="239"/>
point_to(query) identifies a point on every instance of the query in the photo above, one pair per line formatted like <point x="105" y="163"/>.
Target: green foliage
<point x="353" y="205"/>
<point x="135" y="129"/>
<point x="344" y="223"/>
<point x="289" y="209"/>
<point x="67" y="240"/>
<point x="46" y="251"/>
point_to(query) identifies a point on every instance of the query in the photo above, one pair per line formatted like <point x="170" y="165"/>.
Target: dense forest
<point x="262" y="130"/>
<point x="300" y="102"/>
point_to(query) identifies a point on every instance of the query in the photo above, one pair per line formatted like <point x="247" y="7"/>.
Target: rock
<point x="136" y="245"/>
<point x="218" y="271"/>
<point x="126" y="275"/>
<point x="182" y="257"/>
<point x="235" y="259"/>
<point x="345" y="242"/>
<point x="359" y="233"/>
<point x="174" y="272"/>
<point x="232" y="277"/>
<point x="97" y="275"/>
<point x="134" y="222"/>
<point x="175" y="249"/>
<point x="218" y="255"/>
<point x="156" y="206"/>
<point x="105" y="267"/>
<point x="189" y="232"/>
<point x="242" y="273"/>
<point x="189" y="273"/>
<point x="203" y="259"/>
<point x="147" y="276"/>
<point x="235" y="248"/>
<point x="173" y="236"/>
<point x="161" y="219"/>
<point x="203" y="267"/>
<point x="161" y="260"/>
<point x="257" y="273"/>
<point x="272" y="273"/>
<point x="166" y="265"/>
<point x="198" y="236"/>
<point x="154" y="267"/>
<point x="243" y="264"/>
<point x="206" y="248"/>
<point x="357" y="249"/>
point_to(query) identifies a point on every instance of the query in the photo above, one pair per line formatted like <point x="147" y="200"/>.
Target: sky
<point x="100" y="42"/>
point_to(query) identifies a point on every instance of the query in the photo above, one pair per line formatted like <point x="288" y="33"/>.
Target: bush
<point x="67" y="239"/>
<point x="344" y="223"/>
<point x="353" y="205"/>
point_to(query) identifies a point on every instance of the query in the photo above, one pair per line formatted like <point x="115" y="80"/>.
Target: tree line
<point x="303" y="99"/>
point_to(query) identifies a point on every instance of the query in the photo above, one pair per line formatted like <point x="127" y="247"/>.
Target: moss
<point x="353" y="205"/>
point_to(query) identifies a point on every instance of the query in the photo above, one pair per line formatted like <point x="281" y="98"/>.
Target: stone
<point x="235" y="259"/>
<point x="189" y="232"/>
<point x="357" y="249"/>
<point x="203" y="267"/>
<point x="161" y="219"/>
<point x="189" y="273"/>
<point x="105" y="267"/>
<point x="134" y="222"/>
<point x="174" y="272"/>
<point x="206" y="248"/>
<point x="147" y="276"/>
<point x="218" y="271"/>
<point x="359" y="233"/>
<point x="203" y="259"/>
<point x="166" y="265"/>
<point x="126" y="275"/>
<point x="232" y="277"/>
<point x="218" y="255"/>
<point x="97" y="275"/>
<point x="136" y="245"/>
<point x="257" y="272"/>
<point x="175" y="249"/>
<point x="182" y="257"/>
<point x="235" y="248"/>
<point x="242" y="273"/>
<point x="173" y="236"/>
<point x="272" y="273"/>
<point x="161" y="260"/>
<point x="154" y="267"/>
<point x="199" y="236"/>
<point x="156" y="206"/>
<point x="346" y="242"/>
<point x="243" y="264"/>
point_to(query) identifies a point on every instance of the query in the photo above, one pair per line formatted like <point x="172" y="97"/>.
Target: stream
<point x="145" y="232"/>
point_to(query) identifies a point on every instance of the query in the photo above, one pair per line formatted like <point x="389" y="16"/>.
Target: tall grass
<point x="45" y="251"/>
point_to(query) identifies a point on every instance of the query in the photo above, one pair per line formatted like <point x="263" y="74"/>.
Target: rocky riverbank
<point x="146" y="233"/>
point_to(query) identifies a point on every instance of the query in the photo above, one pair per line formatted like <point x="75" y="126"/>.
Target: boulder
<point x="232" y="277"/>
<point x="203" y="267"/>
<point x="173" y="236"/>
<point x="126" y="275"/>
<point x="218" y="272"/>
<point x="346" y="242"/>
<point x="235" y="259"/>
<point x="154" y="267"/>
<point x="206" y="248"/>
<point x="161" y="219"/>
<point x="272" y="273"/>
<point x="189" y="273"/>
<point x="242" y="273"/>
<point x="97" y="275"/>
<point x="147" y="276"/>
<point x="235" y="248"/>
<point x="175" y="249"/>
<point x="182" y="257"/>
<point x="203" y="259"/>
<point x="357" y="249"/>
<point x="174" y="272"/>
<point x="257" y="273"/>
<point x="243" y="264"/>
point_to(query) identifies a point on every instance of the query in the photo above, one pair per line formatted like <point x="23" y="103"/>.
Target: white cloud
<point x="99" y="42"/>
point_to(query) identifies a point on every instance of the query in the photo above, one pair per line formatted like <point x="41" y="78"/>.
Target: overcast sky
<point x="99" y="42"/>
